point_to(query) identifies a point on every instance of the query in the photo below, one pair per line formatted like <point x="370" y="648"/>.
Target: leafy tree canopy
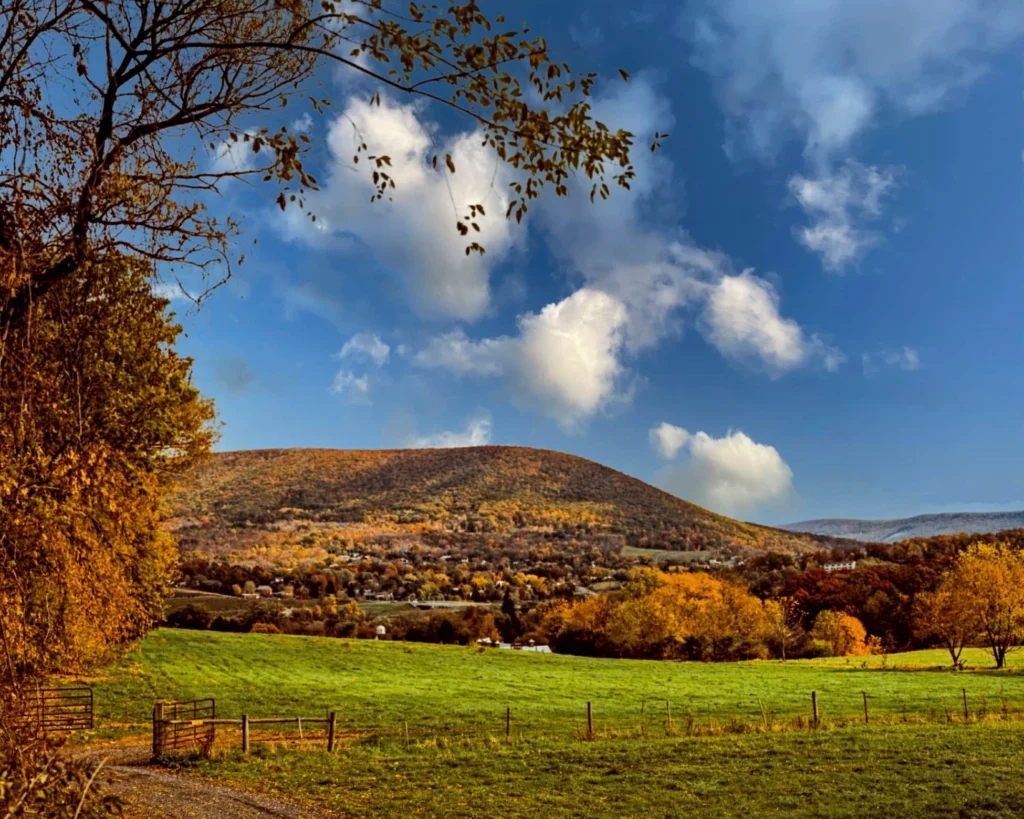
<point x="98" y="98"/>
<point x="97" y="415"/>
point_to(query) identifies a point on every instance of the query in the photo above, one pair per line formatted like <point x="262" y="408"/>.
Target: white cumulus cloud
<point x="414" y="232"/>
<point x="732" y="475"/>
<point x="823" y="71"/>
<point x="233" y="156"/>
<point x="168" y="290"/>
<point x="626" y="248"/>
<point x="476" y="433"/>
<point x="667" y="439"/>
<point x="741" y="318"/>
<point x="565" y="359"/>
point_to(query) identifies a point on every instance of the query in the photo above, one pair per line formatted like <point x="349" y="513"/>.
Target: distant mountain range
<point x="891" y="531"/>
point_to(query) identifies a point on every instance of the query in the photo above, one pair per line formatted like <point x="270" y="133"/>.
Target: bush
<point x="229" y="624"/>
<point x="818" y="649"/>
<point x="264" y="628"/>
<point x="191" y="616"/>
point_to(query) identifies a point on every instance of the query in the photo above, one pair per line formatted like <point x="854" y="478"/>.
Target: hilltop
<point x="476" y="489"/>
<point x="920" y="526"/>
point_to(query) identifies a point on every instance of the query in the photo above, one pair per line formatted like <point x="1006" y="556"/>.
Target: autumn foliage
<point x="663" y="616"/>
<point x="97" y="416"/>
<point x="492" y="489"/>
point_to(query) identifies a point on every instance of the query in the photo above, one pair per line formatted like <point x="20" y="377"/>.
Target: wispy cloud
<point x="838" y="204"/>
<point x="365" y="345"/>
<point x="353" y="388"/>
<point x="906" y="358"/>
<point x="823" y="70"/>
<point x="476" y="433"/>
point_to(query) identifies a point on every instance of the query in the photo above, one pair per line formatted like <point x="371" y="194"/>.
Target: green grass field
<point x="384" y="686"/>
<point x="424" y="726"/>
<point x="900" y="771"/>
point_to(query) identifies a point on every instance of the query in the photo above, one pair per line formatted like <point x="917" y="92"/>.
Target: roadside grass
<point x="893" y="771"/>
<point x="388" y="687"/>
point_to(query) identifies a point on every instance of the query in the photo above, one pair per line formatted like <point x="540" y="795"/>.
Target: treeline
<point x="974" y="598"/>
<point x="328" y="619"/>
<point x="881" y="592"/>
<point x="693" y="616"/>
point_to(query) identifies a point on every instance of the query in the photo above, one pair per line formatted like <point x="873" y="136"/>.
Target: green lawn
<point x="423" y="730"/>
<point x="385" y="686"/>
<point x="895" y="771"/>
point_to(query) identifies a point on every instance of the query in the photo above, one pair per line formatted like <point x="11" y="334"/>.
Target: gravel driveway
<point x="151" y="792"/>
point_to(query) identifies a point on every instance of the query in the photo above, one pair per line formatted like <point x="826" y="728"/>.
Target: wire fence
<point x="595" y="720"/>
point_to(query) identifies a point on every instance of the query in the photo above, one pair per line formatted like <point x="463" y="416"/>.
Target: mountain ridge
<point x="895" y="529"/>
<point x="476" y="489"/>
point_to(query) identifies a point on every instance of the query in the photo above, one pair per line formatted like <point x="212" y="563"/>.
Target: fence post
<point x="330" y="732"/>
<point x="966" y="713"/>
<point x="668" y="717"/>
<point x="508" y="722"/>
<point x="245" y="733"/>
<point x="643" y="723"/>
<point x="590" y="721"/>
<point x="299" y="719"/>
<point x="158" y="719"/>
<point x="814" y="707"/>
<point x="865" y="693"/>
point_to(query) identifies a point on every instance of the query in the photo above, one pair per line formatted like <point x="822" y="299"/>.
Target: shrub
<point x="191" y="616"/>
<point x="818" y="649"/>
<point x="264" y="628"/>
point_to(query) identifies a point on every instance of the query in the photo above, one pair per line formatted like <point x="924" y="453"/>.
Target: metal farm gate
<point x="57" y="708"/>
<point x="184" y="727"/>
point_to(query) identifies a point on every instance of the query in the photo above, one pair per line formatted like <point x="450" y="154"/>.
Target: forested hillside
<point x="490" y="489"/>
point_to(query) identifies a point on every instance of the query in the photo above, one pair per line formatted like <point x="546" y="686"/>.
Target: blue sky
<point x="807" y="307"/>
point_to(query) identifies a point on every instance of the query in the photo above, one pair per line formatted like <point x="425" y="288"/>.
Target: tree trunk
<point x="18" y="305"/>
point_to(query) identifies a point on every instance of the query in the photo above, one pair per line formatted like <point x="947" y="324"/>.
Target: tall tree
<point x="107" y="108"/>
<point x="989" y="578"/>
<point x="949" y="615"/>
<point x="97" y="416"/>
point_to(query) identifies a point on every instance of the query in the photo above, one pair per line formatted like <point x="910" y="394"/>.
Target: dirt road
<point x="151" y="792"/>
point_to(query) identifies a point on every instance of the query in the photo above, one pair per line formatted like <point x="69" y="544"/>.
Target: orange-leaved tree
<point x="949" y="615"/>
<point x="97" y="416"/>
<point x="843" y="633"/>
<point x="988" y="581"/>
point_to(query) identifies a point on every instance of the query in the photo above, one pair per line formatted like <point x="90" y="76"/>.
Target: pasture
<point x="385" y="686"/>
<point x="423" y="729"/>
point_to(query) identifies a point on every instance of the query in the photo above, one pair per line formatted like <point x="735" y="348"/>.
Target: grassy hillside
<point x="424" y="728"/>
<point x="478" y="489"/>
